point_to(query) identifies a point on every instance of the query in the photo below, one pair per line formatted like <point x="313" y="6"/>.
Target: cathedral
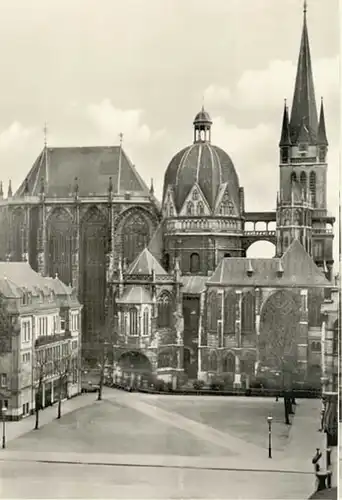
<point x="169" y="286"/>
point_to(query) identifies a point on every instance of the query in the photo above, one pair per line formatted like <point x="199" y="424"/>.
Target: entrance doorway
<point x="190" y="362"/>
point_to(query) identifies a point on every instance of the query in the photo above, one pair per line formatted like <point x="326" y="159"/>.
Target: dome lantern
<point x="202" y="126"/>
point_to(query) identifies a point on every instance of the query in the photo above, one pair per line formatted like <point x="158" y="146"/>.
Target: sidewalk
<point x="49" y="414"/>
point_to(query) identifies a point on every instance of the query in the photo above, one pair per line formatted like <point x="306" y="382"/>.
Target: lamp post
<point x="4" y="410"/>
<point x="269" y="421"/>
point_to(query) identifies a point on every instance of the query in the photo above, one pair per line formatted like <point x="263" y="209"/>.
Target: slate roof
<point x="144" y="264"/>
<point x="304" y="110"/>
<point x="193" y="285"/>
<point x="208" y="166"/>
<point x="298" y="270"/>
<point x="91" y="165"/>
<point x="15" y="277"/>
<point x="155" y="245"/>
<point x="134" y="294"/>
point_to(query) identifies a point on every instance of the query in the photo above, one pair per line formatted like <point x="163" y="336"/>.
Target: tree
<point x="40" y="369"/>
<point x="63" y="368"/>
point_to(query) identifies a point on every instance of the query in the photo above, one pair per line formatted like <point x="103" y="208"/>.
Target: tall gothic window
<point x="166" y="262"/>
<point x="146" y="322"/>
<point x="135" y="236"/>
<point x="194" y="263"/>
<point x="212" y="311"/>
<point x="229" y="363"/>
<point x="133" y="322"/>
<point x="315" y="300"/>
<point x="293" y="177"/>
<point x="189" y="208"/>
<point x="200" y="208"/>
<point x="164" y="311"/>
<point x="229" y="312"/>
<point x="60" y="245"/>
<point x="313" y="187"/>
<point x="286" y="242"/>
<point x="212" y="362"/>
<point x="248" y="313"/>
<point x="17" y="219"/>
<point x="303" y="181"/>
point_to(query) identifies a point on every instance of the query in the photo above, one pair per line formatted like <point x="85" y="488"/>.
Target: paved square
<point x="143" y="446"/>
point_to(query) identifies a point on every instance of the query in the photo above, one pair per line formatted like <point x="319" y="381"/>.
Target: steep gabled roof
<point x="299" y="270"/>
<point x="144" y="264"/>
<point x="155" y="245"/>
<point x="92" y="166"/>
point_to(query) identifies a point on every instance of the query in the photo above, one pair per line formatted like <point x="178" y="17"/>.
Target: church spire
<point x="285" y="139"/>
<point x="304" y="108"/>
<point x="322" y="134"/>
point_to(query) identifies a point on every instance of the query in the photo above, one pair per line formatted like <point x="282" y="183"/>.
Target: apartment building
<point x="40" y="340"/>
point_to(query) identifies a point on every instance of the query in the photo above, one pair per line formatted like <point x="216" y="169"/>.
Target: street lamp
<point x="4" y="410"/>
<point x="269" y="421"/>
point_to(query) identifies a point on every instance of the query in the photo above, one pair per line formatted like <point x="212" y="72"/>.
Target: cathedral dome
<point x="203" y="164"/>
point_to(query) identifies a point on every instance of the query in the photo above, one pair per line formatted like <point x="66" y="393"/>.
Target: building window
<point x="164" y="311"/>
<point x="3" y="379"/>
<point x="229" y="313"/>
<point x="293" y="177"/>
<point x="167" y="262"/>
<point x="195" y="195"/>
<point x="248" y="313"/>
<point x="286" y="242"/>
<point x="26" y="357"/>
<point x="212" y="312"/>
<point x="133" y="322"/>
<point x="303" y="181"/>
<point x="284" y="155"/>
<point x="316" y="347"/>
<point x="200" y="208"/>
<point x="314" y="308"/>
<point x="190" y="208"/>
<point x="170" y="210"/>
<point x="313" y="188"/>
<point x="146" y="322"/>
<point x="322" y="154"/>
<point x="335" y="338"/>
<point x="194" y="263"/>
<point x="212" y="362"/>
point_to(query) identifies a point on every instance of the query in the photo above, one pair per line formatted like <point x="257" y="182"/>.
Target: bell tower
<point x="302" y="199"/>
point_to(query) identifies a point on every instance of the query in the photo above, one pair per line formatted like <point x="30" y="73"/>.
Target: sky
<point x="94" y="68"/>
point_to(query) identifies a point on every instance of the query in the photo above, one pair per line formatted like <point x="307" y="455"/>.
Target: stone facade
<point x="40" y="337"/>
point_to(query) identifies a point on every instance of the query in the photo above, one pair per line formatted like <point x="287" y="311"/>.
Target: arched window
<point x="194" y="263"/>
<point x="189" y="208"/>
<point x="248" y="313"/>
<point x="293" y="177"/>
<point x="284" y="155"/>
<point x="195" y="195"/>
<point x="170" y="210"/>
<point x="200" y="208"/>
<point x="229" y="313"/>
<point x="212" y="311"/>
<point x="135" y="236"/>
<point x="146" y="322"/>
<point x="212" y="362"/>
<point x="297" y="217"/>
<point x="133" y="321"/>
<point x="286" y="242"/>
<point x="164" y="311"/>
<point x="287" y="218"/>
<point x="315" y="300"/>
<point x="303" y="181"/>
<point x="166" y="262"/>
<point x="313" y="188"/>
<point x="229" y="363"/>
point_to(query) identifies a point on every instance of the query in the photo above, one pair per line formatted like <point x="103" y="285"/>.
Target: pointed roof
<point x="304" y="101"/>
<point x="92" y="166"/>
<point x="322" y="133"/>
<point x="144" y="264"/>
<point x="155" y="245"/>
<point x="285" y="139"/>
<point x="299" y="270"/>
